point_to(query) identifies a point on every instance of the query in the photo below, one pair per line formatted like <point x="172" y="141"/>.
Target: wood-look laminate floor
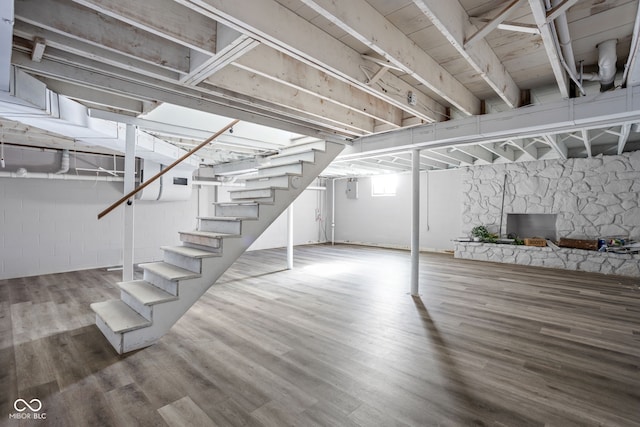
<point x="336" y="342"/>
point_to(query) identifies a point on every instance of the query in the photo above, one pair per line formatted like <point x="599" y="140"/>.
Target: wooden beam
<point x="256" y="86"/>
<point x="58" y="43"/>
<point x="306" y="42"/>
<point x="276" y="65"/>
<point x="454" y="23"/>
<point x="517" y="27"/>
<point x="94" y="96"/>
<point x="73" y="20"/>
<point x="476" y="151"/>
<point x="454" y="155"/>
<point x="528" y="150"/>
<point x="166" y="19"/>
<point x="493" y="24"/>
<point x="230" y="45"/>
<point x="559" y="9"/>
<point x="212" y="100"/>
<point x="559" y="146"/>
<point x="360" y="20"/>
<point x="540" y="16"/>
<point x="624" y="137"/>
<point x="584" y="135"/>
<point x="430" y="154"/>
<point x="504" y="152"/>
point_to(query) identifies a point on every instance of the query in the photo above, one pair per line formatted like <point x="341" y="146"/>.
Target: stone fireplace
<point x="591" y="198"/>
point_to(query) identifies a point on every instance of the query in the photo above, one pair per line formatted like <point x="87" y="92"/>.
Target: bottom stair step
<point x="118" y="316"/>
<point x="146" y="293"/>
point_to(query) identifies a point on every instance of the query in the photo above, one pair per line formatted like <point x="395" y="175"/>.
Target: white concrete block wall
<point x="386" y="220"/>
<point x="49" y="226"/>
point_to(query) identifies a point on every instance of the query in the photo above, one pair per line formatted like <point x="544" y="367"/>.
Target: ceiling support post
<point x="290" y="237"/>
<point x="415" y="223"/>
<point x="129" y="185"/>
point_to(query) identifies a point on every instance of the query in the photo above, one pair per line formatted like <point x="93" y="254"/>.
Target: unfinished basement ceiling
<point x="329" y="70"/>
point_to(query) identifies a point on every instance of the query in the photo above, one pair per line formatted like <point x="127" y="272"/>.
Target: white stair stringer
<point x="181" y="286"/>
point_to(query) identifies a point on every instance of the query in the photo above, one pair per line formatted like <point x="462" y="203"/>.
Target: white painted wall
<point x="309" y="217"/>
<point x="49" y="226"/>
<point x="386" y="221"/>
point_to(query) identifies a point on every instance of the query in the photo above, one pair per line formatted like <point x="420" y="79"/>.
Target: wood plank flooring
<point x="336" y="342"/>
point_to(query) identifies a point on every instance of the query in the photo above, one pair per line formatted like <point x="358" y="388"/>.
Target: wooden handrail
<point x="167" y="169"/>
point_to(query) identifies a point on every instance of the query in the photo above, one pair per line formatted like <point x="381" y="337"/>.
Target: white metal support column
<point x="129" y="184"/>
<point x="333" y="211"/>
<point x="415" y="222"/>
<point x="290" y="237"/>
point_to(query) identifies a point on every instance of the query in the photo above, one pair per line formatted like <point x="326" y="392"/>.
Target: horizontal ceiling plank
<point x="308" y="43"/>
<point x="454" y="23"/>
<point x="360" y="20"/>
<point x="256" y="86"/>
<point x="166" y="19"/>
<point x="73" y="20"/>
<point x="277" y="65"/>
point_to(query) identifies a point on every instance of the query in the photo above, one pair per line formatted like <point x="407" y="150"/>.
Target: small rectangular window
<point x="180" y="181"/>
<point x="384" y="185"/>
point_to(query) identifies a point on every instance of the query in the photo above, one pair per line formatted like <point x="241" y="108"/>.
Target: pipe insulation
<point x="607" y="58"/>
<point x="64" y="162"/>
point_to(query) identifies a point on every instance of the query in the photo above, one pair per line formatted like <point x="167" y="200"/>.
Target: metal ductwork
<point x="64" y="163"/>
<point x="607" y="58"/>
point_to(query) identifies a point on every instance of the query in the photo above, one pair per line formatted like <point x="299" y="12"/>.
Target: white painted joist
<point x="584" y="134"/>
<point x="540" y="17"/>
<point x="259" y="87"/>
<point x="493" y="23"/>
<point x="453" y="22"/>
<point x="500" y="151"/>
<point x="60" y="47"/>
<point x="279" y="66"/>
<point x="94" y="96"/>
<point x="306" y="42"/>
<point x="166" y="19"/>
<point x="73" y="20"/>
<point x="559" y="146"/>
<point x="624" y="137"/>
<point x="145" y="88"/>
<point x="360" y="20"/>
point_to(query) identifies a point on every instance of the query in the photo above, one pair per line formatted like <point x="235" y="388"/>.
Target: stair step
<point x="319" y="145"/>
<point x="237" y="209"/>
<point x="292" y="168"/>
<point x="204" y="238"/>
<point x="261" y="193"/>
<point x="282" y="159"/>
<point x="190" y="251"/>
<point x="230" y="225"/>
<point x="276" y="181"/>
<point x="169" y="271"/>
<point x="118" y="316"/>
<point x="146" y="293"/>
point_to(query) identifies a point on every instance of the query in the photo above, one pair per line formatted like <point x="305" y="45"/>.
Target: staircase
<point x="148" y="308"/>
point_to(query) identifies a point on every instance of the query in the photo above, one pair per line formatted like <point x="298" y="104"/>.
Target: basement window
<point x="384" y="185"/>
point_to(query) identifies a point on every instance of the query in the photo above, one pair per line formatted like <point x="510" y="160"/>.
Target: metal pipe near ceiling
<point x="64" y="162"/>
<point x="563" y="38"/>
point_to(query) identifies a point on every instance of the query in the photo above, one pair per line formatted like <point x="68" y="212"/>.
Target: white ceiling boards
<point x="363" y="71"/>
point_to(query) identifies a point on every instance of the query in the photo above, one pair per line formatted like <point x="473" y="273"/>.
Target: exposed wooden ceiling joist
<point x="306" y="42"/>
<point x="362" y="21"/>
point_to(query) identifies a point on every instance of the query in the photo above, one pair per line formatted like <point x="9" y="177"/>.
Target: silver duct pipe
<point x="607" y="58"/>
<point x="64" y="162"/>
